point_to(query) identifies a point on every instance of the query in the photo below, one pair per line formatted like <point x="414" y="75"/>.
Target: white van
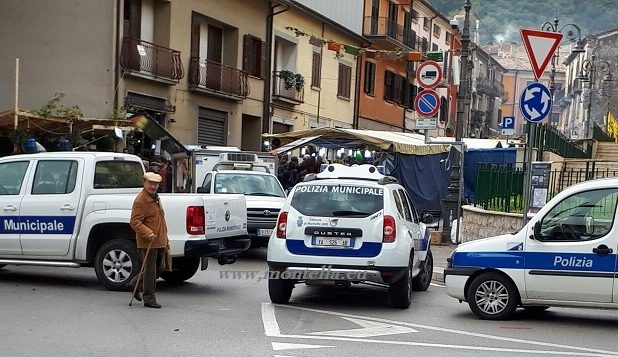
<point x="565" y="256"/>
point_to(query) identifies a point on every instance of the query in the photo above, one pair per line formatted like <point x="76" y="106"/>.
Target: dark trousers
<point x="152" y="270"/>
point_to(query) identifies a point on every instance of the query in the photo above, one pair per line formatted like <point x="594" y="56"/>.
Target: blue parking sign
<point x="508" y="125"/>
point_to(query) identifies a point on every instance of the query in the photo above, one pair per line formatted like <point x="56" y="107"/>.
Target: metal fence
<point x="501" y="187"/>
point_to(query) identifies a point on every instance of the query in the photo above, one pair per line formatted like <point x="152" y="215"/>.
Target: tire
<point x="280" y="290"/>
<point x="401" y="290"/>
<point x="492" y="296"/>
<point x="422" y="281"/>
<point x="182" y="269"/>
<point x="116" y="263"/>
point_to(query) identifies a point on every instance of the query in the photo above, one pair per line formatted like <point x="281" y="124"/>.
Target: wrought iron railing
<point x="288" y="87"/>
<point x="150" y="59"/>
<point x="489" y="86"/>
<point x="211" y="75"/>
<point x="499" y="187"/>
<point x="383" y="26"/>
<point x="548" y="138"/>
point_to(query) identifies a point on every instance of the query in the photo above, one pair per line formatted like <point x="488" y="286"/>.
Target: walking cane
<point x="141" y="271"/>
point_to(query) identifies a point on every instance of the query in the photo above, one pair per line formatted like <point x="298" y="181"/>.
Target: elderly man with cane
<point x="148" y="222"/>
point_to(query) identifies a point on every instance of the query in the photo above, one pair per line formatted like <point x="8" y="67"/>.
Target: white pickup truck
<point x="72" y="209"/>
<point x="263" y="191"/>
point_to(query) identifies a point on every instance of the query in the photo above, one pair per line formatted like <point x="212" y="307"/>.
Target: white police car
<point x="565" y="256"/>
<point x="350" y="224"/>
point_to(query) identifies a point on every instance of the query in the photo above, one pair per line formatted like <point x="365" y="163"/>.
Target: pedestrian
<point x="148" y="222"/>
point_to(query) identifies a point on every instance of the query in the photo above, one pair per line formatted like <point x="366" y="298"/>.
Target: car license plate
<point x="333" y="241"/>
<point x="264" y="232"/>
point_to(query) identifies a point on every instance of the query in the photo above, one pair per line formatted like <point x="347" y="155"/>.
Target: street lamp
<point x="587" y="73"/>
<point x="452" y="202"/>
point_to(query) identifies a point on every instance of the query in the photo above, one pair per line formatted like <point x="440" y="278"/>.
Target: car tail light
<point x="282" y="224"/>
<point x="390" y="233"/>
<point x="195" y="220"/>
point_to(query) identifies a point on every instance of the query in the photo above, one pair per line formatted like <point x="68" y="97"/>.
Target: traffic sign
<point x="427" y="103"/>
<point x="540" y="46"/>
<point x="429" y="74"/>
<point x="508" y="125"/>
<point x="426" y="123"/>
<point x="535" y="102"/>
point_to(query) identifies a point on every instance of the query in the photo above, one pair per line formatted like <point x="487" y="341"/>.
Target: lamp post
<point x="451" y="206"/>
<point x="587" y="74"/>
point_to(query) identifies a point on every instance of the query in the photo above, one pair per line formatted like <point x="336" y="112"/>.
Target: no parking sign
<point x="427" y="103"/>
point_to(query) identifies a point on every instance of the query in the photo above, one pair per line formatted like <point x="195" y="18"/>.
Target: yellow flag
<point x="612" y="126"/>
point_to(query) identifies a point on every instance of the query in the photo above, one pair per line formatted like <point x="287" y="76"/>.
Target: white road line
<point x="437" y="285"/>
<point x="278" y="346"/>
<point x="269" y="309"/>
<point x="370" y="329"/>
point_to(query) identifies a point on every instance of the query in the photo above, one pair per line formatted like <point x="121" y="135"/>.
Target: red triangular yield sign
<point x="540" y="46"/>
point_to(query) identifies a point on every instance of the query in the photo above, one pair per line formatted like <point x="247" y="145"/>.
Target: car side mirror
<point x="537" y="231"/>
<point x="589" y="225"/>
<point x="427" y="218"/>
<point x="202" y="190"/>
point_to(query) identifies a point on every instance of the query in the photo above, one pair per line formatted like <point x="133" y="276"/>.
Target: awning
<point x="405" y="143"/>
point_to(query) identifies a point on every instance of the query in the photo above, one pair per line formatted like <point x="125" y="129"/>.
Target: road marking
<point x="437" y="285"/>
<point x="370" y="329"/>
<point x="278" y="346"/>
<point x="271" y="329"/>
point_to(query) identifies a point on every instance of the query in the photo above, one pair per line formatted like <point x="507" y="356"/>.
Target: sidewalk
<point x="440" y="254"/>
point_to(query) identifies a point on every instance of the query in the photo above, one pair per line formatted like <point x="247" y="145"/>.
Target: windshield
<point x="337" y="200"/>
<point x="251" y="185"/>
<point x="118" y="174"/>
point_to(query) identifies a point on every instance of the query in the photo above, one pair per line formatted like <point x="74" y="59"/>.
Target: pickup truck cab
<point x="263" y="191"/>
<point x="72" y="209"/>
<point x="564" y="256"/>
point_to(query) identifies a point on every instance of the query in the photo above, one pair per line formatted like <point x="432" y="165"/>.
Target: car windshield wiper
<point x="262" y="194"/>
<point x="349" y="213"/>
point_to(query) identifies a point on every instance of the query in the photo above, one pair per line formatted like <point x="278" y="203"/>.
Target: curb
<point x="438" y="275"/>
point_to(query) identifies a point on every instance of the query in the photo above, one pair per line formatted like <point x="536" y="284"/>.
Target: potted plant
<point x="292" y="80"/>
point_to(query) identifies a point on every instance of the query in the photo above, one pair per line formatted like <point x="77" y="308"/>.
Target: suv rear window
<point x="337" y="200"/>
<point x="118" y="174"/>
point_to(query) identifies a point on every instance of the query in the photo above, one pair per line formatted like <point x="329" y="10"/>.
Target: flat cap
<point x="151" y="176"/>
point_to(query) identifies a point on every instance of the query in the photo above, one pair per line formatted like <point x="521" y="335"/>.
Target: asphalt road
<point x="66" y="312"/>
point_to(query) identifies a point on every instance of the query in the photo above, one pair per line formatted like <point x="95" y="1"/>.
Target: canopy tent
<point x="399" y="142"/>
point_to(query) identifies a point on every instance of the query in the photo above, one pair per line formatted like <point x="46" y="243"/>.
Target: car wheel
<point x="116" y="263"/>
<point x="401" y="290"/>
<point x="492" y="296"/>
<point x="280" y="290"/>
<point x="422" y="281"/>
<point x="182" y="269"/>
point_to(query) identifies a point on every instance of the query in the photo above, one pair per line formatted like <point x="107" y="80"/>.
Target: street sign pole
<point x="530" y="130"/>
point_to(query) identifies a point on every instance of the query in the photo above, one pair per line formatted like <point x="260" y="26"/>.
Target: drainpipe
<point x="119" y="11"/>
<point x="266" y="117"/>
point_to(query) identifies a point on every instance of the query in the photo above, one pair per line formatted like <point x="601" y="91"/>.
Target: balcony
<point x="386" y="34"/>
<point x="218" y="79"/>
<point x="146" y="59"/>
<point x="490" y="87"/>
<point x="288" y="87"/>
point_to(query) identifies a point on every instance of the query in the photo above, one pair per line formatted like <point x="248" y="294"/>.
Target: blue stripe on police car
<point x="536" y="260"/>
<point x="37" y="224"/>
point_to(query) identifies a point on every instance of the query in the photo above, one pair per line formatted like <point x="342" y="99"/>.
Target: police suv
<point x="350" y="224"/>
<point x="565" y="256"/>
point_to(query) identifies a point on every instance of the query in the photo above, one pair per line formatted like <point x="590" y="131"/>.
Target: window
<point x="415" y="16"/>
<point x="118" y="174"/>
<point x="337" y="200"/>
<point x="437" y="30"/>
<point x="316" y="69"/>
<point x="412" y="208"/>
<point x="584" y="216"/>
<point x="207" y="182"/>
<point x="345" y="81"/>
<point x="412" y="91"/>
<point x="434" y="47"/>
<point x="370" y="77"/>
<point x="389" y="85"/>
<point x="449" y="38"/>
<point x="426" y="25"/>
<point x="406" y="207"/>
<point x="398" y="202"/>
<point x="257" y="185"/>
<point x="12" y="177"/>
<point x="54" y="177"/>
<point x="254" y="56"/>
<point x="424" y="45"/>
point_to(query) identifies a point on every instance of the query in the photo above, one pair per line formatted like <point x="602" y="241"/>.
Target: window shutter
<point x="348" y="81"/>
<point x="195" y="38"/>
<point x="340" y="80"/>
<point x="263" y="55"/>
<point x="316" y="67"/>
<point x="388" y="85"/>
<point x="370" y="73"/>
<point x="397" y="86"/>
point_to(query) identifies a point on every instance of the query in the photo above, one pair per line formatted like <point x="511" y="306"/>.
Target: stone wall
<point x="479" y="223"/>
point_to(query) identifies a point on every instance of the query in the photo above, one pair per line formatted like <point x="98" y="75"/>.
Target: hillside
<point x="501" y="20"/>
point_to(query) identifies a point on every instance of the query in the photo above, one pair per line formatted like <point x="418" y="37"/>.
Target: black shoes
<point x="154" y="305"/>
<point x="137" y="296"/>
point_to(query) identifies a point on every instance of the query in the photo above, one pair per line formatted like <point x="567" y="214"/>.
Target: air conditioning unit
<point x="238" y="157"/>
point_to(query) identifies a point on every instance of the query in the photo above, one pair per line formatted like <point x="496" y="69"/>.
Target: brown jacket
<point x="147" y="217"/>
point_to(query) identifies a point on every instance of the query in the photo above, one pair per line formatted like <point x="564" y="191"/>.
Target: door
<point x="214" y="56"/>
<point x="50" y="208"/>
<point x="411" y="225"/>
<point x="12" y="190"/>
<point x="573" y="257"/>
<point x="212" y="127"/>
